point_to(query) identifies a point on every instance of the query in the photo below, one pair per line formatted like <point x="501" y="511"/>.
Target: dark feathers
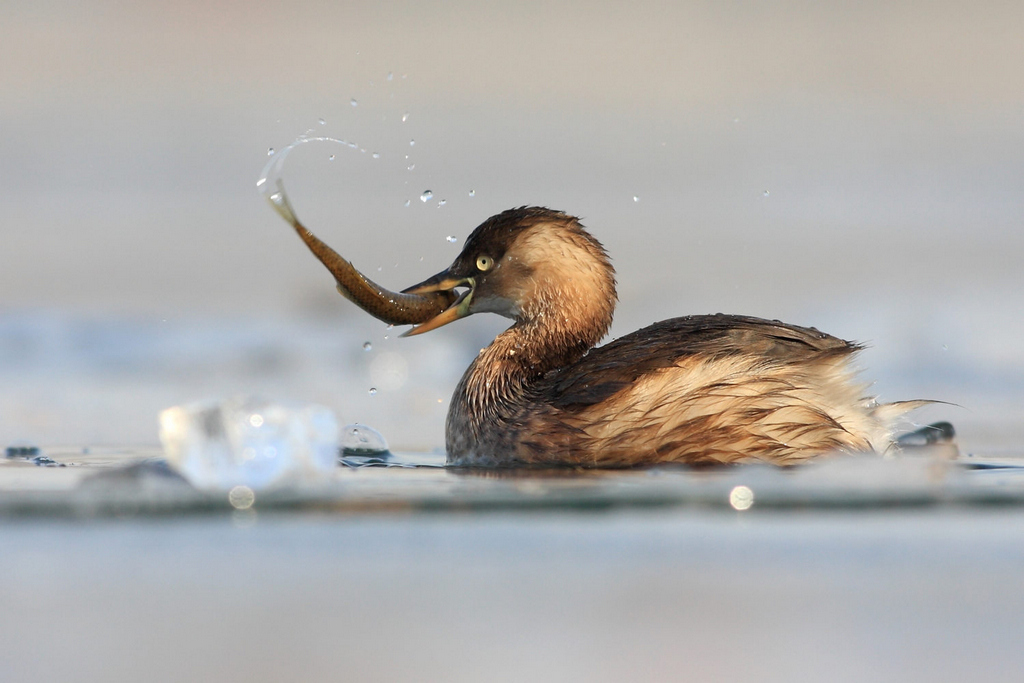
<point x="618" y="364"/>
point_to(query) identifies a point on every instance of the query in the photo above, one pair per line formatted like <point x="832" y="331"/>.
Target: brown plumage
<point x="695" y="390"/>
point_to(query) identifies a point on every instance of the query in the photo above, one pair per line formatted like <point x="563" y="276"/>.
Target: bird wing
<point x="608" y="369"/>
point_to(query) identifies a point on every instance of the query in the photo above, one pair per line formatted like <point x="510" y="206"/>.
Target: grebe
<point x="701" y="389"/>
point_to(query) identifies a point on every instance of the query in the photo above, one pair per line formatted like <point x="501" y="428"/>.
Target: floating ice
<point x="247" y="441"/>
<point x="357" y="439"/>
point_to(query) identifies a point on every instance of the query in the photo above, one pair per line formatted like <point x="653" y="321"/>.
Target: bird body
<point x="694" y="390"/>
<point x="698" y="390"/>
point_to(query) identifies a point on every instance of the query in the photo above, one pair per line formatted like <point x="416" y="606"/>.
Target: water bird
<point x="696" y="390"/>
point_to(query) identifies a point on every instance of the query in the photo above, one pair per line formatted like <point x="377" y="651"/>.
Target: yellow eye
<point x="484" y="262"/>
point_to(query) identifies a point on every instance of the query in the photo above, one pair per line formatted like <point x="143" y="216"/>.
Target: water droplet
<point x="390" y="75"/>
<point x="412" y="143"/>
<point x="452" y="238"/>
<point x="373" y="391"/>
<point x="330" y="158"/>
<point x="362" y="150"/>
<point x="322" y="122"/>
<point x="352" y="145"/>
<point x="442" y="203"/>
<point x="635" y="199"/>
<point x="367" y="346"/>
<point x="426" y="196"/>
<point x="766" y="193"/>
<point x="741" y="498"/>
<point x="380" y="268"/>
<point x="405" y="117"/>
<point x="359" y="439"/>
<point x="407" y="202"/>
<point x="241" y="497"/>
<point x="945" y="347"/>
<point x="260" y="182"/>
<point x="376" y="155"/>
<point x="472" y="193"/>
<point x="354" y="103"/>
<point x="410" y="167"/>
<point x="277" y="198"/>
<point x="270" y="152"/>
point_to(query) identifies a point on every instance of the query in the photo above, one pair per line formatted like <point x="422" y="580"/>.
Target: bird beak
<point x="443" y="282"/>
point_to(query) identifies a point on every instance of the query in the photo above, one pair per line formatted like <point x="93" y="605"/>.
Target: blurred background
<point x="858" y="167"/>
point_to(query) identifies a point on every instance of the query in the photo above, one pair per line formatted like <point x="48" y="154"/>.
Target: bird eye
<point x="484" y="262"/>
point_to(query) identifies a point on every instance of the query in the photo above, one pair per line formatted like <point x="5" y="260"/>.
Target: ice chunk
<point x="248" y="441"/>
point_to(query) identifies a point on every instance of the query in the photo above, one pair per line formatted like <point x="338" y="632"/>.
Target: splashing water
<point x="270" y="178"/>
<point x="359" y="439"/>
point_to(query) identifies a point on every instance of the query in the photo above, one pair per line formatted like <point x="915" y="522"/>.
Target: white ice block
<point x="248" y="441"/>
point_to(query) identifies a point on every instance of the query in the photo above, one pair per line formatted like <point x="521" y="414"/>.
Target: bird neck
<point x="501" y="376"/>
